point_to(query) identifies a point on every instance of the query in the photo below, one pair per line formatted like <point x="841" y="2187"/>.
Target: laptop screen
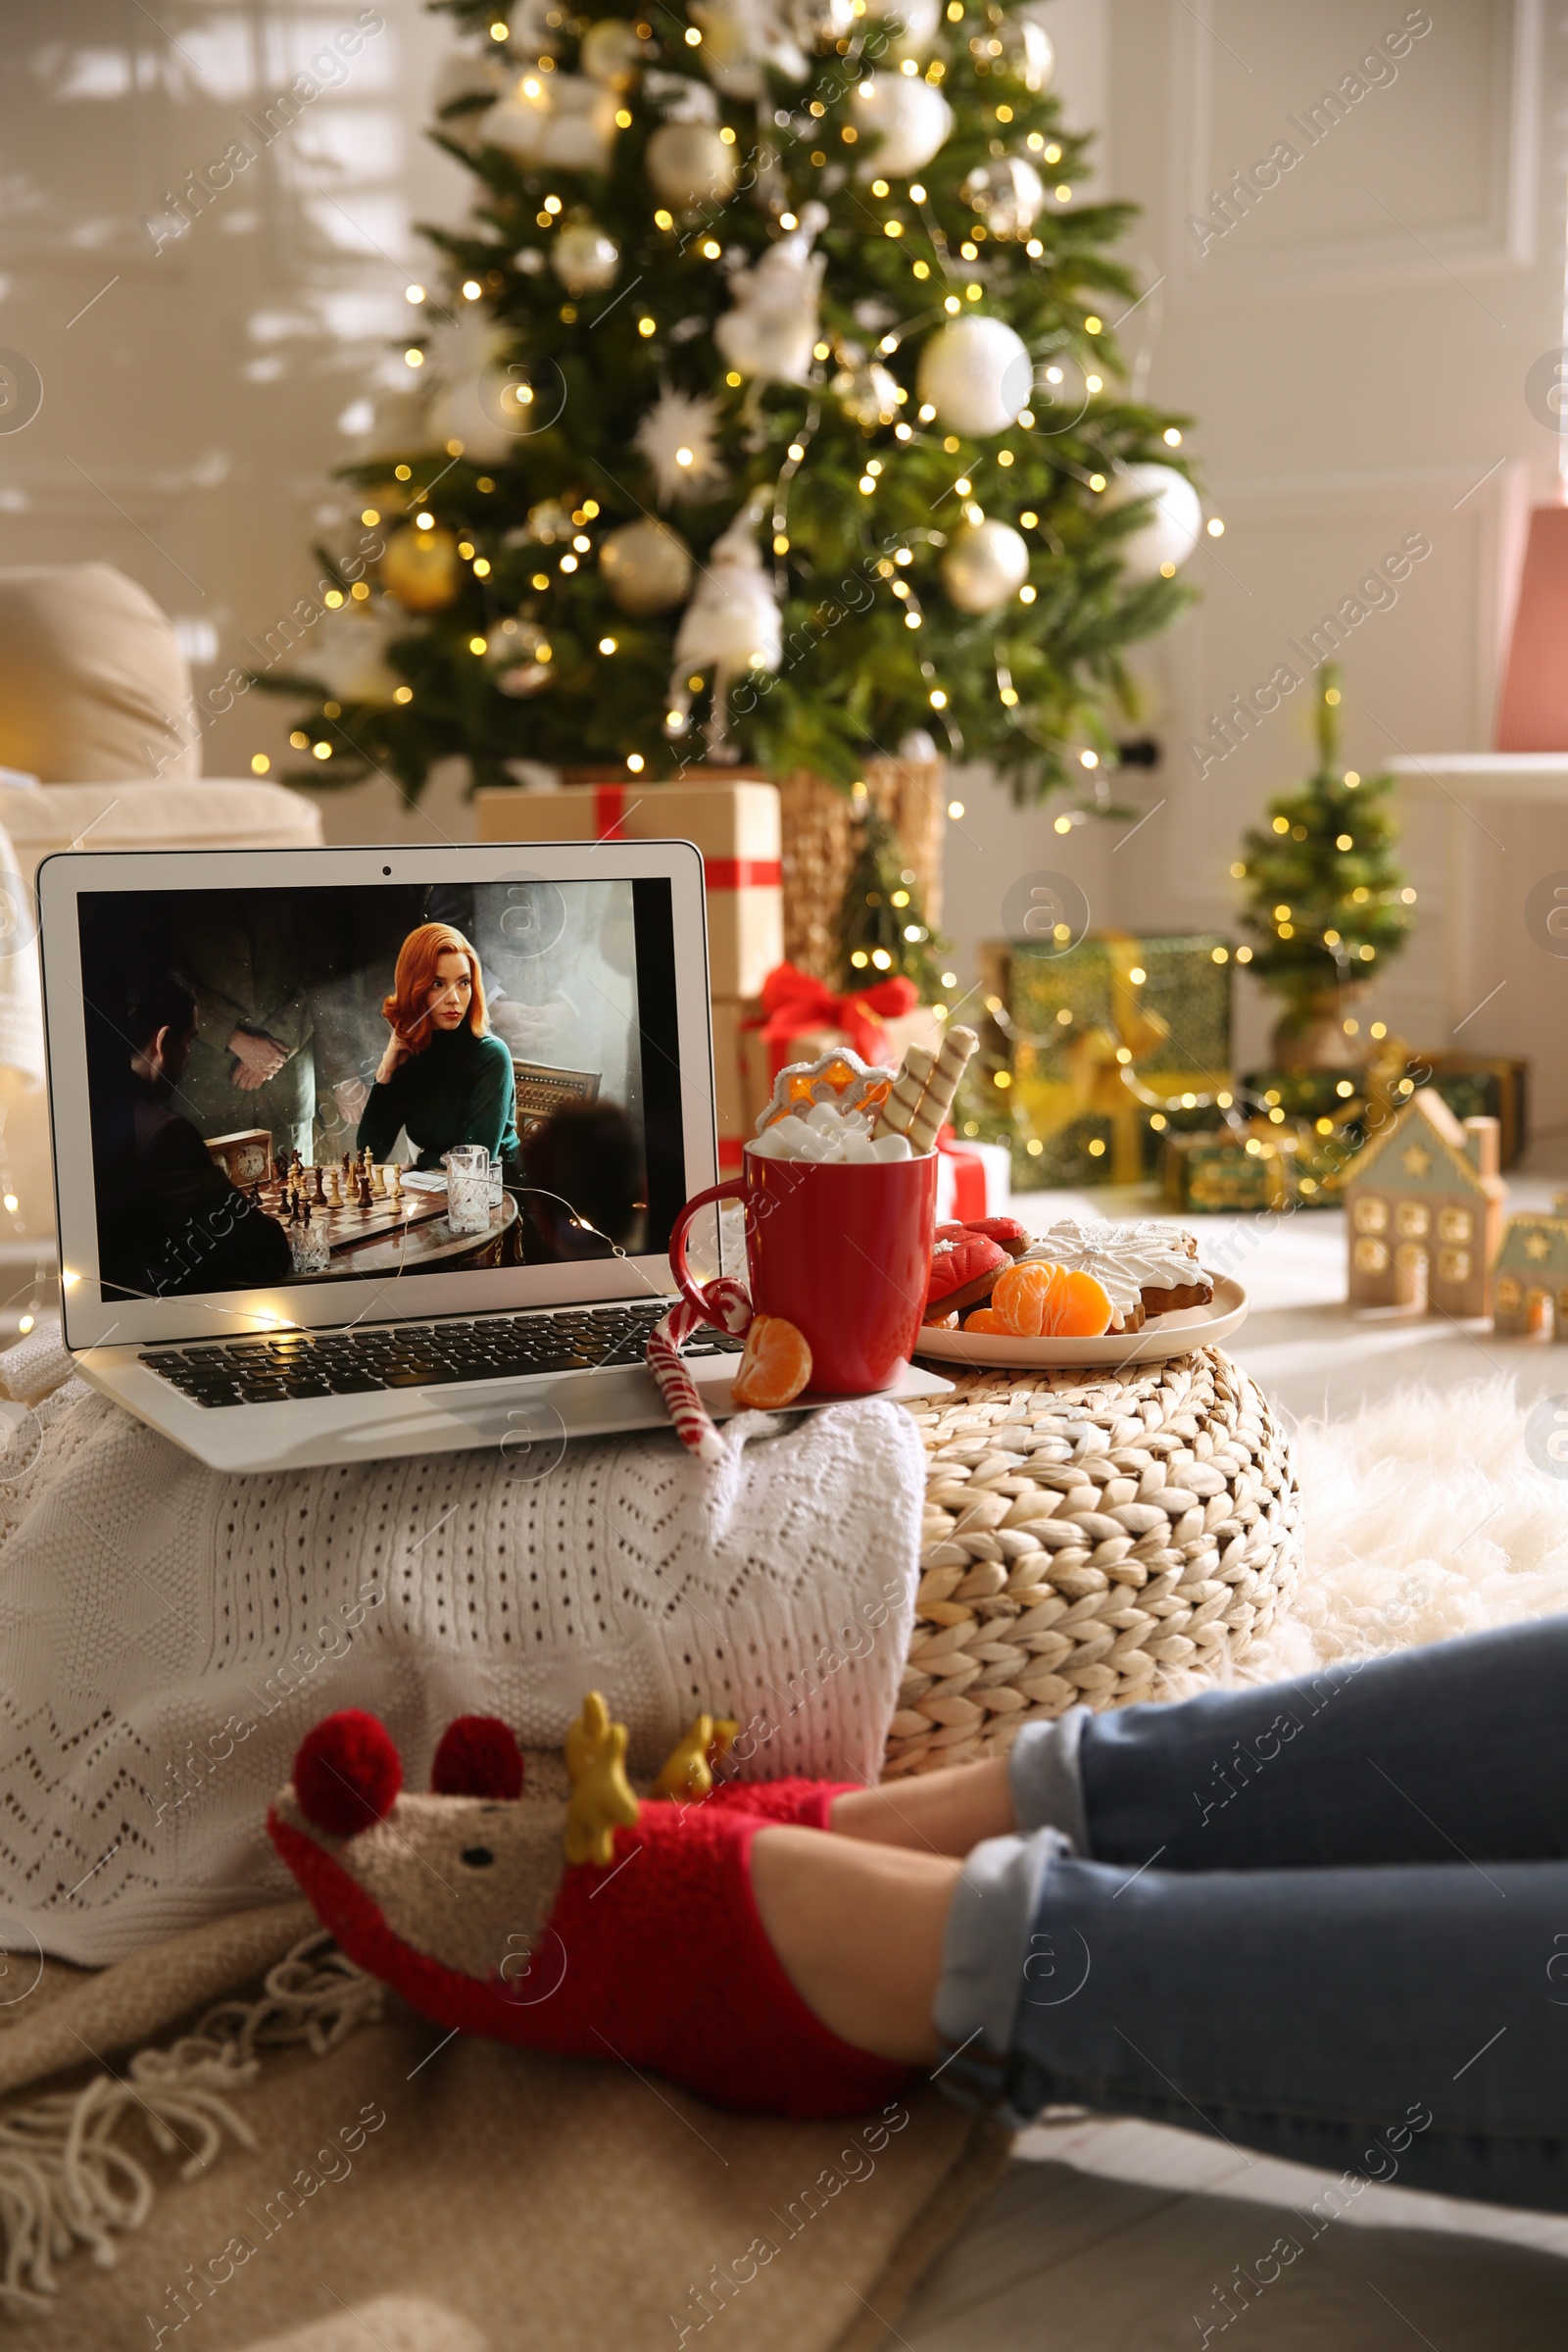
<point x="318" y="1085"/>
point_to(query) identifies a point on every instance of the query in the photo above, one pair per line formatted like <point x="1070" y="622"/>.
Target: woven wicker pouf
<point x="1089" y="1538"/>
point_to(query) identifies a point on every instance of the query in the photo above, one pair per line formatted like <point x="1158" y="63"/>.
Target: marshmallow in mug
<point x="829" y="1134"/>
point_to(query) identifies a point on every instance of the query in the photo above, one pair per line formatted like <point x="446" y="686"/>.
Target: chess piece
<point x="334" y="1198"/>
<point x="318" y="1187"/>
<point x="394" y="1183"/>
<point x="378" y="1187"/>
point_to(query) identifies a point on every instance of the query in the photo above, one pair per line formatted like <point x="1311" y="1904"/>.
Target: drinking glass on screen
<point x="469" y="1188"/>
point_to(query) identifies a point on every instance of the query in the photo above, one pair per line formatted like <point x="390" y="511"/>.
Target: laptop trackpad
<point x="530" y="1423"/>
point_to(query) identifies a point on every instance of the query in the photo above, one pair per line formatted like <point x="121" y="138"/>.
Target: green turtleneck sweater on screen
<point x="458" y="1091"/>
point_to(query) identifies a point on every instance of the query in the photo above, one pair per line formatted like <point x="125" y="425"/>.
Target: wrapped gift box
<point x="735" y="826"/>
<point x="973" y="1179"/>
<point x="732" y="1082"/>
<point x="1102" y="1035"/>
<point x="1205" y="1174"/>
<point x="1479" y="1086"/>
<point x="762" y="1056"/>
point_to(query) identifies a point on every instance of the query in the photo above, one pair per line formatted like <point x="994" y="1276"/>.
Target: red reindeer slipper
<point x="541" y="1901"/>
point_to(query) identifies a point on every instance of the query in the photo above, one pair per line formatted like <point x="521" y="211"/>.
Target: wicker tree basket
<point x="1090" y="1539"/>
<point x="819" y="829"/>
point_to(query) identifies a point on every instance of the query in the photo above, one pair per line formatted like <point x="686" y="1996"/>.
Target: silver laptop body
<point x="248" y="1274"/>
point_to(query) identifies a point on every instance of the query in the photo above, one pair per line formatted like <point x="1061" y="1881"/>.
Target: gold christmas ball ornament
<point x="584" y="259"/>
<point x="647" y="567"/>
<point x="421" y="569"/>
<point x="611" y="53"/>
<point x="1008" y="195"/>
<point x="688" y="161"/>
<point x="984" y="563"/>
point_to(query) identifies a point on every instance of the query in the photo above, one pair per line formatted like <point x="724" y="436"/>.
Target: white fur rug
<point x="1424" y="1517"/>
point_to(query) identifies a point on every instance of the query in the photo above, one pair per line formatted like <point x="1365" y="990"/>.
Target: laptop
<point x="262" y="1067"/>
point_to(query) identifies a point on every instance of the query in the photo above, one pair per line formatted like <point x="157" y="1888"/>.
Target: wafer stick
<point x="931" y="1112"/>
<point x="905" y="1098"/>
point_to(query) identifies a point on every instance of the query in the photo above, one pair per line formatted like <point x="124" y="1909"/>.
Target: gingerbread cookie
<point x="963" y="1267"/>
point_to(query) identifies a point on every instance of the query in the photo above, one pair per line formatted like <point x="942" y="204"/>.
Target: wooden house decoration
<point x="1530" y="1279"/>
<point x="1423" y="1206"/>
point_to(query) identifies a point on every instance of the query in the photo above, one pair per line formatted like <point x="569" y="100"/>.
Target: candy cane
<point x="729" y="1309"/>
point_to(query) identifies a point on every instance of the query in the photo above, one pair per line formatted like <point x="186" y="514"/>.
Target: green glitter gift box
<point x="1109" y="1044"/>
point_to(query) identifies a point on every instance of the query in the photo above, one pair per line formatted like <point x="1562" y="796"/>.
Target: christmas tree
<point x="1326" y="900"/>
<point x="882" y="925"/>
<point x="772" y="409"/>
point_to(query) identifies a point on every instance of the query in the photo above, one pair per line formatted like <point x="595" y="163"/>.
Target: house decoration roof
<point x="1429" y="1155"/>
<point x="1534" y="1241"/>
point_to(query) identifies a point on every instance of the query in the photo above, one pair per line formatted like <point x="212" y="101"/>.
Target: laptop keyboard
<point x="281" y="1365"/>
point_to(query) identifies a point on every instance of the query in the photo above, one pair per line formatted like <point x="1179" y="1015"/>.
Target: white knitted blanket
<point x="169" y="1633"/>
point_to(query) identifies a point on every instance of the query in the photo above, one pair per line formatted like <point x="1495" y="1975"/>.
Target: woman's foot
<point x="936" y="1812"/>
<point x="857" y="1928"/>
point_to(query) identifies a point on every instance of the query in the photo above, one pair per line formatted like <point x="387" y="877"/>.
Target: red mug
<point x="842" y="1250"/>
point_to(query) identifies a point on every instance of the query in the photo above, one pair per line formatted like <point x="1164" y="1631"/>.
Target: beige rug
<point x="463" y="2196"/>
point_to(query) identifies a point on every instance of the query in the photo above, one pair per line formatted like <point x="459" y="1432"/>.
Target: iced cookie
<point x="1150" y="1268"/>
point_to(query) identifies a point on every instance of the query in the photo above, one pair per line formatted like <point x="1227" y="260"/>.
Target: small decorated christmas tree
<point x="1327" y="899"/>
<point x="768" y="407"/>
<point x="882" y="924"/>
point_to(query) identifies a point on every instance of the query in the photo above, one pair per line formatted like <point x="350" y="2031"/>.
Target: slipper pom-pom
<point x="347" y="1772"/>
<point x="478" y="1756"/>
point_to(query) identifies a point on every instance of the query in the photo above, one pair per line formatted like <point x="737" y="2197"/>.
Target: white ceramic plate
<point x="1162" y="1336"/>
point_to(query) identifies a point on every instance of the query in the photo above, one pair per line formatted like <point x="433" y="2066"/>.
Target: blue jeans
<point x="1326" y="1919"/>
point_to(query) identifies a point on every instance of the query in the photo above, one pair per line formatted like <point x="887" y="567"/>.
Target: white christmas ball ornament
<point x="908" y="118"/>
<point x="985" y="564"/>
<point x="1009" y="195"/>
<point x="647" y="567"/>
<point x="584" y="258"/>
<point x="920" y="20"/>
<point x="611" y="53"/>
<point x="1172" y="531"/>
<point x="688" y="161"/>
<point x="977" y="374"/>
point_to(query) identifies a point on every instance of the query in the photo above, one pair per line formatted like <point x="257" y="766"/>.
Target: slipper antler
<point x="601" y="1799"/>
<point x="688" y="1769"/>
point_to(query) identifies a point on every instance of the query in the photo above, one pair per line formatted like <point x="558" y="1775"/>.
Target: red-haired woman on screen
<point x="443" y="1077"/>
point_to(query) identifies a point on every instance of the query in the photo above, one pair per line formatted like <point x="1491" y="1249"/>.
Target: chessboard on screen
<point x="276" y="1076"/>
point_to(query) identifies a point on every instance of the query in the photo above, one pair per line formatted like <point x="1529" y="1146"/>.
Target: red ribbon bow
<point x="794" y="1002"/>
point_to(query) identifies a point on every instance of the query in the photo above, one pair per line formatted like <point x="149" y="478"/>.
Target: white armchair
<point x="94" y="705"/>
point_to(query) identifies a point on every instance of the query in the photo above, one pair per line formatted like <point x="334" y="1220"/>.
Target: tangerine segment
<point x="1039" y="1300"/>
<point x="987" y="1319"/>
<point x="775" y="1365"/>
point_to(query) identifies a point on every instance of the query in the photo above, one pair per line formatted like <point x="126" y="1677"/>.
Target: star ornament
<point x="1417" y="1161"/>
<point x="1537" y="1246"/>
